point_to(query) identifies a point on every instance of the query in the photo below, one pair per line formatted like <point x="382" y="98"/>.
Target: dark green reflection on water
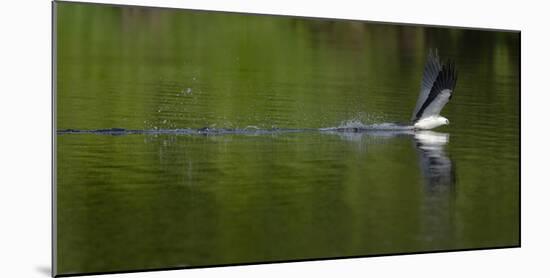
<point x="144" y="201"/>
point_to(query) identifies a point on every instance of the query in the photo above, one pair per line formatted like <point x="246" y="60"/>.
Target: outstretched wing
<point x="431" y="70"/>
<point x="438" y="84"/>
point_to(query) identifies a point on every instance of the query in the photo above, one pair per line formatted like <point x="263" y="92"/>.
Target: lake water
<point x="160" y="199"/>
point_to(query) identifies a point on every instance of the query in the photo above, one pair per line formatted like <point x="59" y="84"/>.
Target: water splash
<point x="186" y="91"/>
<point x="355" y="125"/>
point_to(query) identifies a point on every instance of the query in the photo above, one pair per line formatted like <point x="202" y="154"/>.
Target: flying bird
<point x="437" y="88"/>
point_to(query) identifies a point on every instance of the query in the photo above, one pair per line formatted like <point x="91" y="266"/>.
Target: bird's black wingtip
<point x="447" y="77"/>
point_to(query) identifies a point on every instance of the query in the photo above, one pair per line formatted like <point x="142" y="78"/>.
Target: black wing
<point x="438" y="84"/>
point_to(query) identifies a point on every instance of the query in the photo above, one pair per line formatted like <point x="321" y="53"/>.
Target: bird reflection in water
<point x="438" y="171"/>
<point x="436" y="166"/>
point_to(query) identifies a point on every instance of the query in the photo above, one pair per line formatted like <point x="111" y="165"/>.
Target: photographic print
<point x="188" y="138"/>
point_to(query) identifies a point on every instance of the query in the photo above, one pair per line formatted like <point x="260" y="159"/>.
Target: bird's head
<point x="444" y="121"/>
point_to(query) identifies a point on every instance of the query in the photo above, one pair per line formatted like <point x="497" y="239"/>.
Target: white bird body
<point x="438" y="84"/>
<point x="431" y="122"/>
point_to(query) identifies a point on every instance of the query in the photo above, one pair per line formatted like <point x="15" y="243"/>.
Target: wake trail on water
<point x="345" y="127"/>
<point x="181" y="131"/>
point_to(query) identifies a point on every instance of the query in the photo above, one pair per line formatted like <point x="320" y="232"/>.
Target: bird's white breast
<point x="429" y="123"/>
